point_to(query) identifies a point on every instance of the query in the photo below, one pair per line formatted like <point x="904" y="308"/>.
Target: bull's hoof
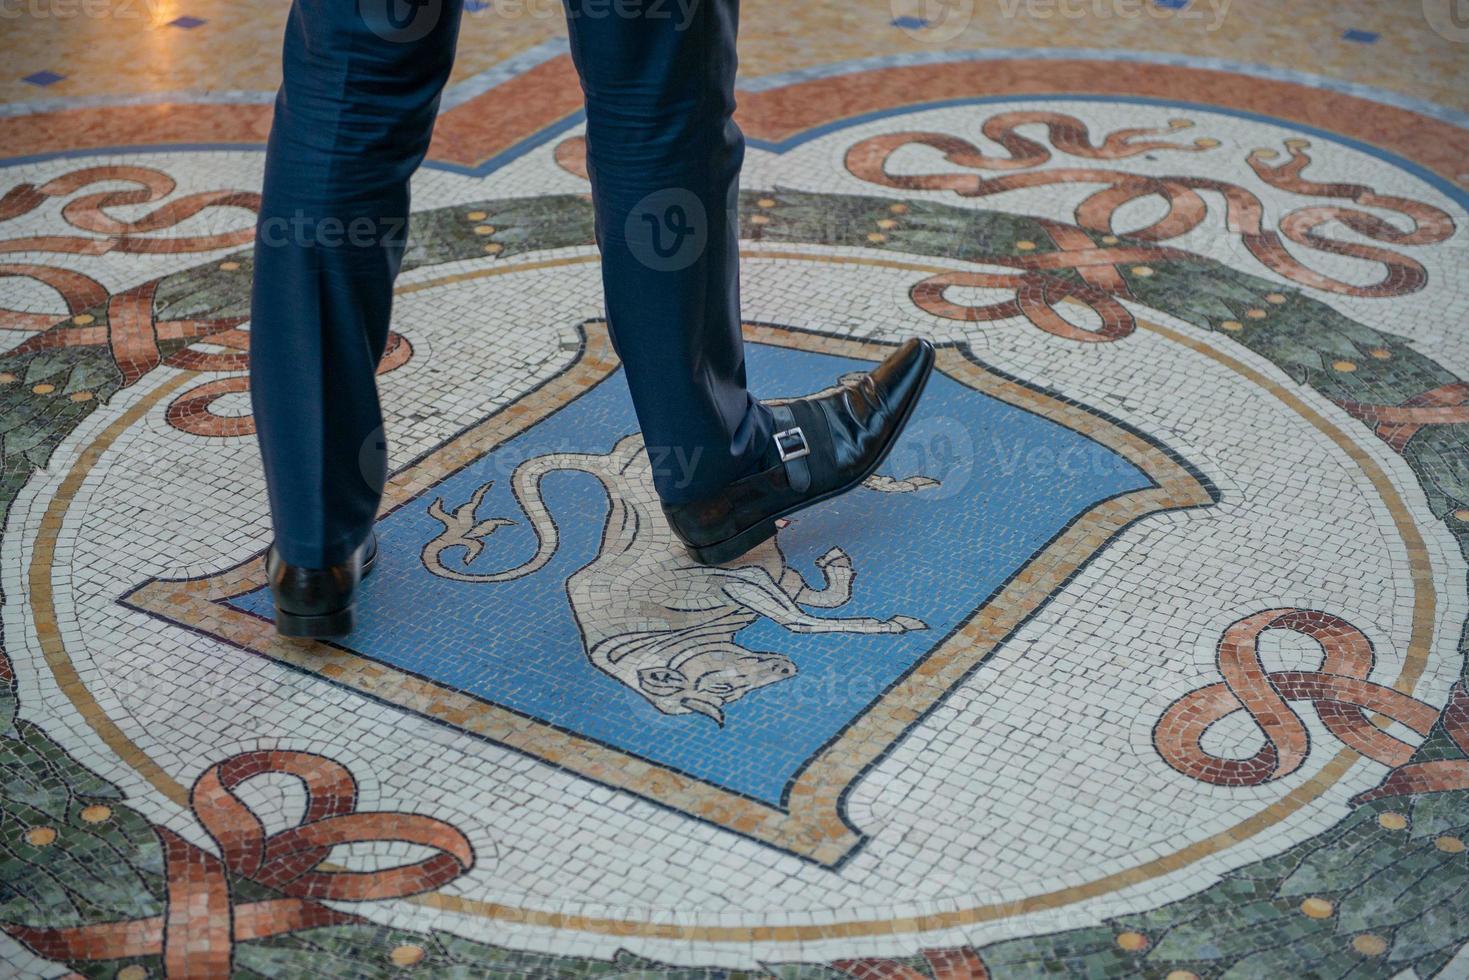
<point x="826" y="444"/>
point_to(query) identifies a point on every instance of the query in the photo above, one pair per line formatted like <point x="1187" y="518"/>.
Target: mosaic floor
<point x="1143" y="656"/>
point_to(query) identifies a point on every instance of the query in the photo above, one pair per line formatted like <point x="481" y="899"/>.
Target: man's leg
<point x="664" y="156"/>
<point x="352" y="122"/>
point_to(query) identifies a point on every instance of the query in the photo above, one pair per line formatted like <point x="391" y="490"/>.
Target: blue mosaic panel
<point x="517" y="643"/>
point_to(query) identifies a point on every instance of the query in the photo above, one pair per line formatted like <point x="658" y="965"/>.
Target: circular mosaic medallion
<point x="1140" y="652"/>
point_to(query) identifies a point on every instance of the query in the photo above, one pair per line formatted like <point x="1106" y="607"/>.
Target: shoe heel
<point x="729" y="549"/>
<point x="322" y="627"/>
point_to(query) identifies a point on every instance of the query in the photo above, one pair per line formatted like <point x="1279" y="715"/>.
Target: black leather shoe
<point x="828" y="443"/>
<point x="317" y="603"/>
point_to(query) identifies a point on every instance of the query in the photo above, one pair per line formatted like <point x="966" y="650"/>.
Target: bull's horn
<point x="704" y="708"/>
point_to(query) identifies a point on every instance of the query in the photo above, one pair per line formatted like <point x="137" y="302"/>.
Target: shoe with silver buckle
<point x="827" y="444"/>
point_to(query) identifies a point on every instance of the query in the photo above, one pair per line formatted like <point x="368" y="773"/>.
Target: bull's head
<point x="711" y="678"/>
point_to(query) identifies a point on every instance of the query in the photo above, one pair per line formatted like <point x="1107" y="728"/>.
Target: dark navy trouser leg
<point x="664" y="156"/>
<point x="353" y="121"/>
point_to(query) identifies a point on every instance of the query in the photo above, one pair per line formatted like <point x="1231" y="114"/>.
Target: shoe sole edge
<point x="320" y="627"/>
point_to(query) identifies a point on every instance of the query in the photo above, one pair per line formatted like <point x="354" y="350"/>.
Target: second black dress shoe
<point x="826" y="444"/>
<point x="318" y="603"/>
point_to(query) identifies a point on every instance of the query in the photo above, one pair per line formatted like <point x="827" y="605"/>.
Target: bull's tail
<point x="462" y="529"/>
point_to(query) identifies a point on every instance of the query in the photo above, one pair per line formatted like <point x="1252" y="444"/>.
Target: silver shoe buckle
<point x="791" y="444"/>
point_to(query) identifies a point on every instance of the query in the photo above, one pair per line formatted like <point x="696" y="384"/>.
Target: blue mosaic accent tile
<point x="187" y="23"/>
<point x="1361" y="37"/>
<point x="43" y="78"/>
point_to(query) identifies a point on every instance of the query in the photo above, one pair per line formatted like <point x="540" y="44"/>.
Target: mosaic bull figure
<point x="649" y="617"/>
